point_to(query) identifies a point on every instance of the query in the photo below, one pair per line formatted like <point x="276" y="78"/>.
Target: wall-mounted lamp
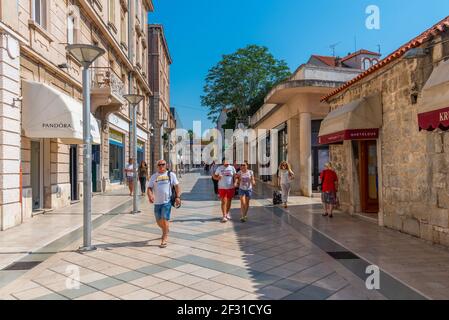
<point x="19" y="99"/>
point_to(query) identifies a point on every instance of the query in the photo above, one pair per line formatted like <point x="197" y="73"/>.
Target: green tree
<point x="240" y="81"/>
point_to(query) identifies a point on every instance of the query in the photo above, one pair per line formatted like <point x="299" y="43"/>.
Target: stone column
<point x="293" y="151"/>
<point x="10" y="132"/>
<point x="305" y="154"/>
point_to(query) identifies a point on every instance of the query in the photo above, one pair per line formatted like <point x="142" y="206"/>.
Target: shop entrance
<point x="320" y="155"/>
<point x="369" y="186"/>
<point x="36" y="168"/>
<point x="96" y="173"/>
<point x="74" y="173"/>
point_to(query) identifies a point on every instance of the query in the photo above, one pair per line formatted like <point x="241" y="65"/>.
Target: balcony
<point x="107" y="90"/>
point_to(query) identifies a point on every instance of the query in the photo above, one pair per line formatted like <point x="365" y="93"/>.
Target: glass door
<point x="369" y="185"/>
<point x="36" y="178"/>
<point x="74" y="172"/>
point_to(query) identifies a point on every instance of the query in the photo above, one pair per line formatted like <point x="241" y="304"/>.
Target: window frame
<point x="40" y="18"/>
<point x="365" y="62"/>
<point x="111" y="12"/>
<point x="71" y="31"/>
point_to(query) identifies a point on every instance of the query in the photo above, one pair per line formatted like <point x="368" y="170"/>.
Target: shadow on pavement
<point x="138" y="244"/>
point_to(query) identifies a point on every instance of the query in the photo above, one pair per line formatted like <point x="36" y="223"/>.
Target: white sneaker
<point x="228" y="216"/>
<point x="224" y="220"/>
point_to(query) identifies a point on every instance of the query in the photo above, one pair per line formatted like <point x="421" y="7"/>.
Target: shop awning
<point x="358" y="120"/>
<point x="433" y="112"/>
<point x="49" y="113"/>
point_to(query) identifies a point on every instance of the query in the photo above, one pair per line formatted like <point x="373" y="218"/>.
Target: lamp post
<point x="134" y="100"/>
<point x="86" y="54"/>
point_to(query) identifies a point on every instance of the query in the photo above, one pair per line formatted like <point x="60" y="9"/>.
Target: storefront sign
<point x="115" y="136"/>
<point x="355" y="134"/>
<point x="140" y="145"/>
<point x="119" y="122"/>
<point x="434" y="119"/>
<point x="142" y="134"/>
<point x="57" y="125"/>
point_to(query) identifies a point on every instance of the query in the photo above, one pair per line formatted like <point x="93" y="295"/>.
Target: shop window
<point x="283" y="145"/>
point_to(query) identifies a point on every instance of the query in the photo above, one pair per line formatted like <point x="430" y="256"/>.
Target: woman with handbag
<point x="143" y="174"/>
<point x="329" y="189"/>
<point x="285" y="176"/>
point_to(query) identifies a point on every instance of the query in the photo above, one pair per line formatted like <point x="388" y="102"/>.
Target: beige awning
<point x="358" y="120"/>
<point x="433" y="111"/>
<point x="49" y="113"/>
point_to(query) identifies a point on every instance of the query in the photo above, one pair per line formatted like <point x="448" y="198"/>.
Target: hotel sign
<point x="352" y="134"/>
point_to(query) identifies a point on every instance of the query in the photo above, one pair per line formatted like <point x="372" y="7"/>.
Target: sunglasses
<point x="161" y="164"/>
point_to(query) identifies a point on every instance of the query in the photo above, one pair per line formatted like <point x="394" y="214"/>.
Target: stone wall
<point x="414" y="191"/>
<point x="10" y="206"/>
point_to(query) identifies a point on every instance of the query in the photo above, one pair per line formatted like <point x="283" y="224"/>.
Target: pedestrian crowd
<point x="229" y="181"/>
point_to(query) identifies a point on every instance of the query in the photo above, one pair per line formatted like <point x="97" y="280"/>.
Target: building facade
<point x="162" y="119"/>
<point x="389" y="140"/>
<point x="294" y="109"/>
<point x="41" y="156"/>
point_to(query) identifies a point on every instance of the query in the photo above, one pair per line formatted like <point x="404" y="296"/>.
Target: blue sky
<point x="200" y="31"/>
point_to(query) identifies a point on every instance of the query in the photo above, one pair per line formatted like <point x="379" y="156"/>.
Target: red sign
<point x="434" y="119"/>
<point x="355" y="134"/>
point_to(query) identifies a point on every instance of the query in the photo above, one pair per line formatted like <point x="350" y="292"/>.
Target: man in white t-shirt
<point x="159" y="192"/>
<point x="226" y="190"/>
<point x="129" y="173"/>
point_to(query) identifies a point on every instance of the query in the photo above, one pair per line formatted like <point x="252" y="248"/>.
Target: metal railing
<point x="105" y="77"/>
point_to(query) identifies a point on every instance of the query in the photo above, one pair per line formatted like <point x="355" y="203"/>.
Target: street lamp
<point x="86" y="54"/>
<point x="134" y="100"/>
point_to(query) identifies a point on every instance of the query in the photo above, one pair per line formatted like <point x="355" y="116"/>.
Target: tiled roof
<point x="330" y="61"/>
<point x="416" y="42"/>
<point x="363" y="51"/>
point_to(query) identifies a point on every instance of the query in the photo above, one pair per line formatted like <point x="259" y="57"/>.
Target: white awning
<point x="49" y="113"/>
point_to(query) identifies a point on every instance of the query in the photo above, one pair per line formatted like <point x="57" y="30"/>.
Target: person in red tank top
<point x="329" y="182"/>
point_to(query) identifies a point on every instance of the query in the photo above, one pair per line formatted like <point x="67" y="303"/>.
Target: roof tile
<point x="419" y="40"/>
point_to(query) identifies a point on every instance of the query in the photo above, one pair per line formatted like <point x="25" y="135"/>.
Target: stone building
<point x="41" y="99"/>
<point x="294" y="109"/>
<point x="389" y="142"/>
<point x="162" y="119"/>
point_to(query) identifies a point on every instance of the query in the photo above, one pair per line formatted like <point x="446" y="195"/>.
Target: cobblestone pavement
<point x="265" y="258"/>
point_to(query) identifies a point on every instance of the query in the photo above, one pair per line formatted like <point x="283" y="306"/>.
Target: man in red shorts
<point x="225" y="177"/>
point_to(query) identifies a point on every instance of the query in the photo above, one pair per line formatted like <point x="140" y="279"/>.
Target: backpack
<point x="172" y="192"/>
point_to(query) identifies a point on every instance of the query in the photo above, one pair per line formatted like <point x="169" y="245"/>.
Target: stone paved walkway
<point x="266" y="258"/>
<point x="39" y="237"/>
